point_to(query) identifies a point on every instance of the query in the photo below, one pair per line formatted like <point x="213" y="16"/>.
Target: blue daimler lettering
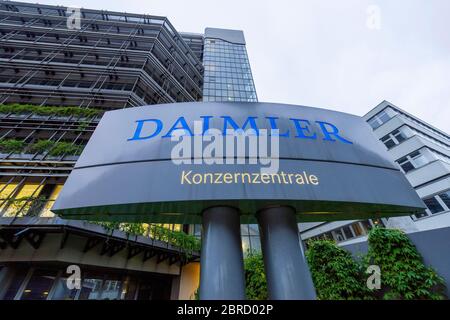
<point x="303" y="128"/>
<point x="229" y="121"/>
<point x="184" y="126"/>
<point x="140" y="125"/>
<point x="334" y="132"/>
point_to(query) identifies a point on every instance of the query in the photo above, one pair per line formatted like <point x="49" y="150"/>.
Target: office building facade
<point x="61" y="68"/>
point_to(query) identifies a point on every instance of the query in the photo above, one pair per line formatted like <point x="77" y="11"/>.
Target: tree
<point x="403" y="273"/>
<point x="335" y="274"/>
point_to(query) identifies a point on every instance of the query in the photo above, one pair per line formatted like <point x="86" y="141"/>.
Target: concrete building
<point x="423" y="154"/>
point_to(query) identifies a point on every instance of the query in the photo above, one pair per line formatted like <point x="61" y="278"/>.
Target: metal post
<point x="221" y="261"/>
<point x="287" y="273"/>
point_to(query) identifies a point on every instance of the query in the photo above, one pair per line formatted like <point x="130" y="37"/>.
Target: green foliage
<point x="188" y="243"/>
<point x="255" y="277"/>
<point x="11" y="145"/>
<point x="41" y="146"/>
<point x="403" y="273"/>
<point x="335" y="274"/>
<point x="83" y="126"/>
<point x="17" y="108"/>
<point x="62" y="148"/>
<point x="55" y="148"/>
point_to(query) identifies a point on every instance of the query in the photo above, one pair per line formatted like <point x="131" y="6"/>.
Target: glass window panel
<point x="407" y="166"/>
<point x="46" y="212"/>
<point x="111" y="289"/>
<point x="388" y="142"/>
<point x="357" y="229"/>
<point x="366" y="225"/>
<point x="445" y="196"/>
<point x="253" y="229"/>
<point x="348" y="233"/>
<point x="62" y="292"/>
<point x="245" y="244"/>
<point x="420" y="161"/>
<point x="338" y="235"/>
<point x="39" y="285"/>
<point x="23" y="200"/>
<point x="19" y="276"/>
<point x="244" y="230"/>
<point x="255" y="243"/>
<point x="129" y="289"/>
<point x="91" y="288"/>
<point x="433" y="205"/>
<point x="5" y="193"/>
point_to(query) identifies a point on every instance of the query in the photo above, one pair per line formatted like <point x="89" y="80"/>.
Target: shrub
<point x="11" y="145"/>
<point x="63" y="148"/>
<point x="41" y="146"/>
<point x="255" y="277"/>
<point x="188" y="243"/>
<point x="335" y="274"/>
<point x="403" y="273"/>
<point x="17" y="108"/>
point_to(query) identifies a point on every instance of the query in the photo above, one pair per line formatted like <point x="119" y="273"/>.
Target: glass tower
<point x="227" y="75"/>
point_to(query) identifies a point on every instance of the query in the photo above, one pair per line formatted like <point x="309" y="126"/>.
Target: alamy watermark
<point x="373" y="21"/>
<point x="73" y="18"/>
<point x="374" y="280"/>
<point x="74" y="279"/>
<point x="208" y="147"/>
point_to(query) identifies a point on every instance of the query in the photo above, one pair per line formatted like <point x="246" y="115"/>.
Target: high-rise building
<point x="60" y="69"/>
<point x="228" y="76"/>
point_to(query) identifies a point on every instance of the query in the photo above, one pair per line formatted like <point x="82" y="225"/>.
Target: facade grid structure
<point x="228" y="75"/>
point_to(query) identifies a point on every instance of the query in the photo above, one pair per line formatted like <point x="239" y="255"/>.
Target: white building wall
<point x="431" y="179"/>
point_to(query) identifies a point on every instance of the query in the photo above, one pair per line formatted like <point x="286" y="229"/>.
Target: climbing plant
<point x="17" y="108"/>
<point x="54" y="148"/>
<point x="61" y="148"/>
<point x="255" y="277"/>
<point x="11" y="145"/>
<point x="403" y="273"/>
<point x="335" y="274"/>
<point x="41" y="146"/>
<point x="179" y="239"/>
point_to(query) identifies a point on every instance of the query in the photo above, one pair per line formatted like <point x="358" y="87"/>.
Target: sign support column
<point x="221" y="261"/>
<point x="287" y="273"/>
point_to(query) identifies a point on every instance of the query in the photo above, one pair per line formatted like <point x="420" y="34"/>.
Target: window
<point x="39" y="285"/>
<point x="19" y="277"/>
<point x="397" y="136"/>
<point x="91" y="288"/>
<point x="435" y="204"/>
<point x="415" y="160"/>
<point x="445" y="197"/>
<point x="381" y="118"/>
<point x="62" y="292"/>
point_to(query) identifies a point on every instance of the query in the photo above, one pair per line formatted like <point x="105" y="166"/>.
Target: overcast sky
<point x="346" y="55"/>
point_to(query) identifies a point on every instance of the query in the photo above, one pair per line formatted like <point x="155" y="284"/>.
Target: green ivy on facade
<point x="404" y="276"/>
<point x="188" y="243"/>
<point x="335" y="274"/>
<point x="17" y="108"/>
<point x="52" y="147"/>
